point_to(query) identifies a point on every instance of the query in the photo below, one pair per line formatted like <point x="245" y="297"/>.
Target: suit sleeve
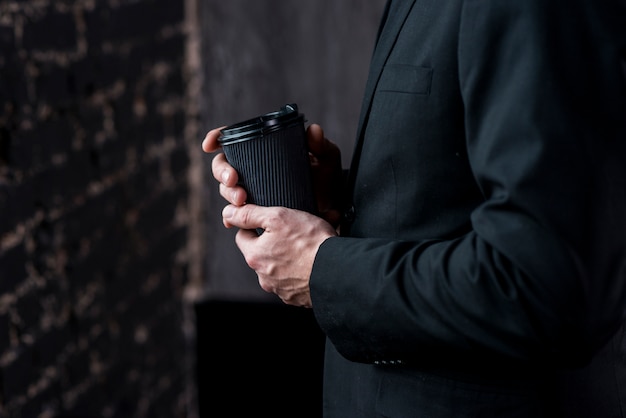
<point x="542" y="274"/>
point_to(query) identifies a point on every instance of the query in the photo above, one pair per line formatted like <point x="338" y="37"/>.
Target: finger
<point x="228" y="178"/>
<point x="223" y="171"/>
<point x="210" y="142"/>
<point x="244" y="240"/>
<point x="244" y="217"/>
<point x="320" y="148"/>
<point x="315" y="139"/>
<point x="235" y="195"/>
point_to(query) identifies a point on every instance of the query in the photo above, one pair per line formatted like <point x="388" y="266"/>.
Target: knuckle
<point x="245" y="214"/>
<point x="277" y="217"/>
<point x="218" y="162"/>
<point x="266" y="285"/>
<point x="253" y="262"/>
<point x="224" y="192"/>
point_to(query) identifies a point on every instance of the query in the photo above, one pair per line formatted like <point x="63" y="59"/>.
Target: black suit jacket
<point x="484" y="250"/>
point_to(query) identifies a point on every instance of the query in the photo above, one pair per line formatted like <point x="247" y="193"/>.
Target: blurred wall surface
<point x="93" y="209"/>
<point x="260" y="55"/>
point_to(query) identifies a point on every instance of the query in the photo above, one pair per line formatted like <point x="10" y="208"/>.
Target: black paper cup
<point x="271" y="157"/>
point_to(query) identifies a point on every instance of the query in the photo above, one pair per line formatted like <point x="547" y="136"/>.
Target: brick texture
<point x="93" y="203"/>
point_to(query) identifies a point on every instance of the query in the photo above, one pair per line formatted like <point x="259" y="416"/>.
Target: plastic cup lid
<point x="260" y="126"/>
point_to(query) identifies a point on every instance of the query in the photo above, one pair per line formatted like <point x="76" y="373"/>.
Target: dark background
<point x="121" y="294"/>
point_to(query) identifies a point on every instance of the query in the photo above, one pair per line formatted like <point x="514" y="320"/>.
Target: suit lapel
<point x="393" y="18"/>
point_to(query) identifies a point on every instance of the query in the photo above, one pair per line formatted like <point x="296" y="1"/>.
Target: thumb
<point x="315" y="139"/>
<point x="245" y="217"/>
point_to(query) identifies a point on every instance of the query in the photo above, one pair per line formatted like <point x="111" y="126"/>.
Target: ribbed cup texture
<point x="274" y="169"/>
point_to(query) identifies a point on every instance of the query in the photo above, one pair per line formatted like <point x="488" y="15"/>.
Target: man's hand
<point x="282" y="256"/>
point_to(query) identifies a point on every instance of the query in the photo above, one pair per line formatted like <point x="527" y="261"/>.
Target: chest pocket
<point x="404" y="78"/>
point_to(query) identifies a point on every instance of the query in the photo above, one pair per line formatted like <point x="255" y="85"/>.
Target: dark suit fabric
<point x="481" y="271"/>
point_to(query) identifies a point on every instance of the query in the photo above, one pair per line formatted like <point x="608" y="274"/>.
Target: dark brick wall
<point x="93" y="209"/>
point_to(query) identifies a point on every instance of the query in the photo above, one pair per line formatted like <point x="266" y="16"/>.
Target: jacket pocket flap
<point x="403" y="78"/>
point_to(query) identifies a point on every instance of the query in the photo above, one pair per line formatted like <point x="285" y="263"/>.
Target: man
<point x="480" y="266"/>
